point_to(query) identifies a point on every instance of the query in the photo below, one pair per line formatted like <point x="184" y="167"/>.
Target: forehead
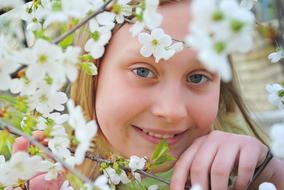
<point x="175" y="23"/>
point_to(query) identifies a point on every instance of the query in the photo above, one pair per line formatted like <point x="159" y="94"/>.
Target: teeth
<point x="158" y="135"/>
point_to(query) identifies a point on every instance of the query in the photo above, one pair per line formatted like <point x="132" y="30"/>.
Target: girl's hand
<point x="38" y="182"/>
<point x="210" y="160"/>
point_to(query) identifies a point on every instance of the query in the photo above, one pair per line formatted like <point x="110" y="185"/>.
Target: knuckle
<point x="247" y="168"/>
<point x="178" y="165"/>
<point x="251" y="141"/>
<point x="197" y="169"/>
<point x="240" y="185"/>
<point x="218" y="171"/>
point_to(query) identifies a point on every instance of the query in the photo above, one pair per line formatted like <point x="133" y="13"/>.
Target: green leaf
<point x="86" y="58"/>
<point x="6" y="141"/>
<point x="9" y="99"/>
<point x="160" y="150"/>
<point x="67" y="41"/>
<point x="33" y="150"/>
<point x="21" y="104"/>
<point x="39" y="34"/>
<point x="89" y="67"/>
<point x="281" y="93"/>
<point x="161" y="154"/>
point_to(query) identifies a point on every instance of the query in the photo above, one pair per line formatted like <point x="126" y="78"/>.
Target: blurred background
<point x="255" y="70"/>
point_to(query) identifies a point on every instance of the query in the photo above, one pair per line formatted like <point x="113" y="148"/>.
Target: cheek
<point x="117" y="103"/>
<point x="204" y="109"/>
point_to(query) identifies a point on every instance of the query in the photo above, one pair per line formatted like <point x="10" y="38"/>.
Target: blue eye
<point x="197" y="79"/>
<point x="143" y="72"/>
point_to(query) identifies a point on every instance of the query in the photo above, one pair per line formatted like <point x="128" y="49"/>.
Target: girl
<point x="137" y="102"/>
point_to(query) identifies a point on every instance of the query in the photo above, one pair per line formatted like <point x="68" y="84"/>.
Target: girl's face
<point x="140" y="102"/>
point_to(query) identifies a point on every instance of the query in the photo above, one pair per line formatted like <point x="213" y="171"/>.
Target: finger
<point x="44" y="142"/>
<point x="247" y="163"/>
<point x="222" y="166"/>
<point x="39" y="182"/>
<point x="201" y="164"/>
<point x="39" y="135"/>
<point x="182" y="166"/>
<point x="20" y="144"/>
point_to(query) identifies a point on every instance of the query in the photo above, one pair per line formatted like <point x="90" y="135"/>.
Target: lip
<point x="156" y="140"/>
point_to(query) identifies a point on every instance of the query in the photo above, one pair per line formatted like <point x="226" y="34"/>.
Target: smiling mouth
<point x="155" y="136"/>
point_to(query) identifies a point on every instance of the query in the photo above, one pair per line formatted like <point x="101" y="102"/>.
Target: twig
<point x="16" y="131"/>
<point x="93" y="157"/>
<point x="63" y="36"/>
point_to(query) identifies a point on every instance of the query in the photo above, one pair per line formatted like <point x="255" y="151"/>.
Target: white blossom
<point x="137" y="176"/>
<point x="2" y="159"/>
<point x="42" y="59"/>
<point x="47" y="99"/>
<point x="121" y="10"/>
<point x="106" y="19"/>
<point x="136" y="28"/>
<point x="11" y="3"/>
<point x="62" y="11"/>
<point x="102" y="183"/>
<point x="276" y="134"/>
<point x="136" y="163"/>
<point x="21" y="166"/>
<point x="248" y="3"/>
<point x="266" y="186"/>
<point x="153" y="187"/>
<point x="53" y="170"/>
<point x="112" y="175"/>
<point x="219" y="32"/>
<point x="274" y="57"/>
<point x="275" y="97"/>
<point x="196" y="187"/>
<point x="50" y="12"/>
<point x="100" y="37"/>
<point x="40" y="125"/>
<point x="157" y="44"/>
<point x="84" y="131"/>
<point x="60" y="147"/>
<point x="35" y="16"/>
<point x="150" y="18"/>
<point x="116" y="178"/>
<point x="66" y="186"/>
<point x="70" y="62"/>
<point x="23" y="86"/>
<point x="58" y="118"/>
<point x="8" y="64"/>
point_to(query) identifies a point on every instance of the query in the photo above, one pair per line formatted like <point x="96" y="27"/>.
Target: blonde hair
<point x="83" y="93"/>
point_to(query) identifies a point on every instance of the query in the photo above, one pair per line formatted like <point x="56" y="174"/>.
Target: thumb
<point x="20" y="144"/>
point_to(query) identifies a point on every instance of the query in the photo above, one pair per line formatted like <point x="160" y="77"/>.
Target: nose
<point x="170" y="104"/>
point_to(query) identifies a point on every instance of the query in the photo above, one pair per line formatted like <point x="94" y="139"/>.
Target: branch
<point x="91" y="156"/>
<point x="63" y="36"/>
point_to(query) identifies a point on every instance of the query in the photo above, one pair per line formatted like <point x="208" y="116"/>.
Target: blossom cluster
<point x="219" y="33"/>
